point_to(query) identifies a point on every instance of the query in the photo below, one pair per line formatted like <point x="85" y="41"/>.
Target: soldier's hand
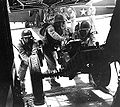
<point x="63" y="43"/>
<point x="26" y="62"/>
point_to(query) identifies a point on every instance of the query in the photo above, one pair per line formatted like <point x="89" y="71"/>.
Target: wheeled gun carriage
<point x="90" y="60"/>
<point x="75" y="59"/>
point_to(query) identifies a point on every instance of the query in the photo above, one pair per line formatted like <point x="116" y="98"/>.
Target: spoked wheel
<point x="101" y="74"/>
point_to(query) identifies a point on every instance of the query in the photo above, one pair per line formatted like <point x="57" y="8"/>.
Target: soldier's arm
<point x="22" y="53"/>
<point x="54" y="34"/>
<point x="92" y="40"/>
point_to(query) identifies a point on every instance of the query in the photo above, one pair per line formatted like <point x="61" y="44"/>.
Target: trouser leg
<point x="22" y="70"/>
<point x="16" y="90"/>
<point x="50" y="60"/>
<point x="51" y="63"/>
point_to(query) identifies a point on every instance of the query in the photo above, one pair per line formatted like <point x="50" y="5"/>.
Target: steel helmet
<point x="26" y="34"/>
<point x="59" y="18"/>
<point x="85" y="25"/>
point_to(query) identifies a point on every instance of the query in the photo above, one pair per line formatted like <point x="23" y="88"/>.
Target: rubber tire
<point x="102" y="74"/>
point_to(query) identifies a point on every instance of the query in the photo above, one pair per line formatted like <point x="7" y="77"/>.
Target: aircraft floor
<point x="76" y="92"/>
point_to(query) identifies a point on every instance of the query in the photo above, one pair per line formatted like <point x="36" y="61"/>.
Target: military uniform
<point x="26" y="49"/>
<point x="53" y="38"/>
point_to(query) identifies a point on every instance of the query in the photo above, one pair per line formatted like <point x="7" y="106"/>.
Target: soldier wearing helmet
<point x="54" y="36"/>
<point x="83" y="32"/>
<point x="26" y="36"/>
<point x="27" y="46"/>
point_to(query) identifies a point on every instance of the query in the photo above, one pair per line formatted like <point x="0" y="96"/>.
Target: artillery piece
<point x="80" y="59"/>
<point x="90" y="60"/>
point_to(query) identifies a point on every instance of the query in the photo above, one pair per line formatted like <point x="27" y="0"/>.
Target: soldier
<point x="83" y="32"/>
<point x="86" y="35"/>
<point x="83" y="37"/>
<point x="26" y="48"/>
<point x="53" y="38"/>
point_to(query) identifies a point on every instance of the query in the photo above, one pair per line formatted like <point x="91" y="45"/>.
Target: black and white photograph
<point x="59" y="53"/>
